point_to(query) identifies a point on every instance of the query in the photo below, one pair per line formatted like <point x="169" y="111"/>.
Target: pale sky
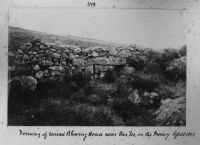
<point x="147" y="28"/>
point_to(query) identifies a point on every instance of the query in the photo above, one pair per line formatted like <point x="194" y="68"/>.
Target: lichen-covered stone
<point x="55" y="55"/>
<point x="57" y="68"/>
<point x="78" y="62"/>
<point x="39" y="75"/>
<point x="134" y="97"/>
<point x="77" y="50"/>
<point x="94" y="54"/>
<point x="125" y="53"/>
<point x="36" y="67"/>
<point x="28" y="82"/>
<point x="48" y="63"/>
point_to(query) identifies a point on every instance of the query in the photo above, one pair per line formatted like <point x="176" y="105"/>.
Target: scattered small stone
<point x="77" y="50"/>
<point x="57" y="68"/>
<point x="134" y="97"/>
<point x="31" y="56"/>
<point x="63" y="63"/>
<point x="125" y="53"/>
<point x="76" y="56"/>
<point x="32" y="52"/>
<point x="46" y="73"/>
<point x="39" y="75"/>
<point x="63" y="55"/>
<point x="41" y="62"/>
<point x="42" y="46"/>
<point x="153" y="95"/>
<point x="66" y="51"/>
<point x="56" y="63"/>
<point x="35" y="60"/>
<point x="36" y="67"/>
<point x="94" y="54"/>
<point x="78" y="62"/>
<point x="146" y="94"/>
<point x="23" y="62"/>
<point x="48" y="63"/>
<point x="102" y="74"/>
<point x="41" y="51"/>
<point x="18" y="56"/>
<point x="25" y="57"/>
<point x="56" y="73"/>
<point x="40" y="55"/>
<point x="89" y="69"/>
<point x="20" y="51"/>
<point x="56" y="55"/>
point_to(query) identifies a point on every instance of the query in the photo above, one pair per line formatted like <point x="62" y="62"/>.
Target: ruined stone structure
<point x="48" y="60"/>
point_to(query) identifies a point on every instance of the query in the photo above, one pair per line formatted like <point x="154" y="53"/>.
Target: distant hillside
<point x="19" y="36"/>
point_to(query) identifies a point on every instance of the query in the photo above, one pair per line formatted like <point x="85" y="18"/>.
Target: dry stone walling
<point x="46" y="61"/>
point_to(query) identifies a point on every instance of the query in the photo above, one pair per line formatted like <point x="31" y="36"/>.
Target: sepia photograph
<point x="102" y="67"/>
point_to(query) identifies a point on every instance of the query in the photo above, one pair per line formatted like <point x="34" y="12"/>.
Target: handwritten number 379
<point x="91" y="4"/>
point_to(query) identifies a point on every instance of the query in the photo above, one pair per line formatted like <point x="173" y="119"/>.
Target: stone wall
<point x="47" y="60"/>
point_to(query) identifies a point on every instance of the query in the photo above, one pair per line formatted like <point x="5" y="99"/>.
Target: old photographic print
<point x="96" y="67"/>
